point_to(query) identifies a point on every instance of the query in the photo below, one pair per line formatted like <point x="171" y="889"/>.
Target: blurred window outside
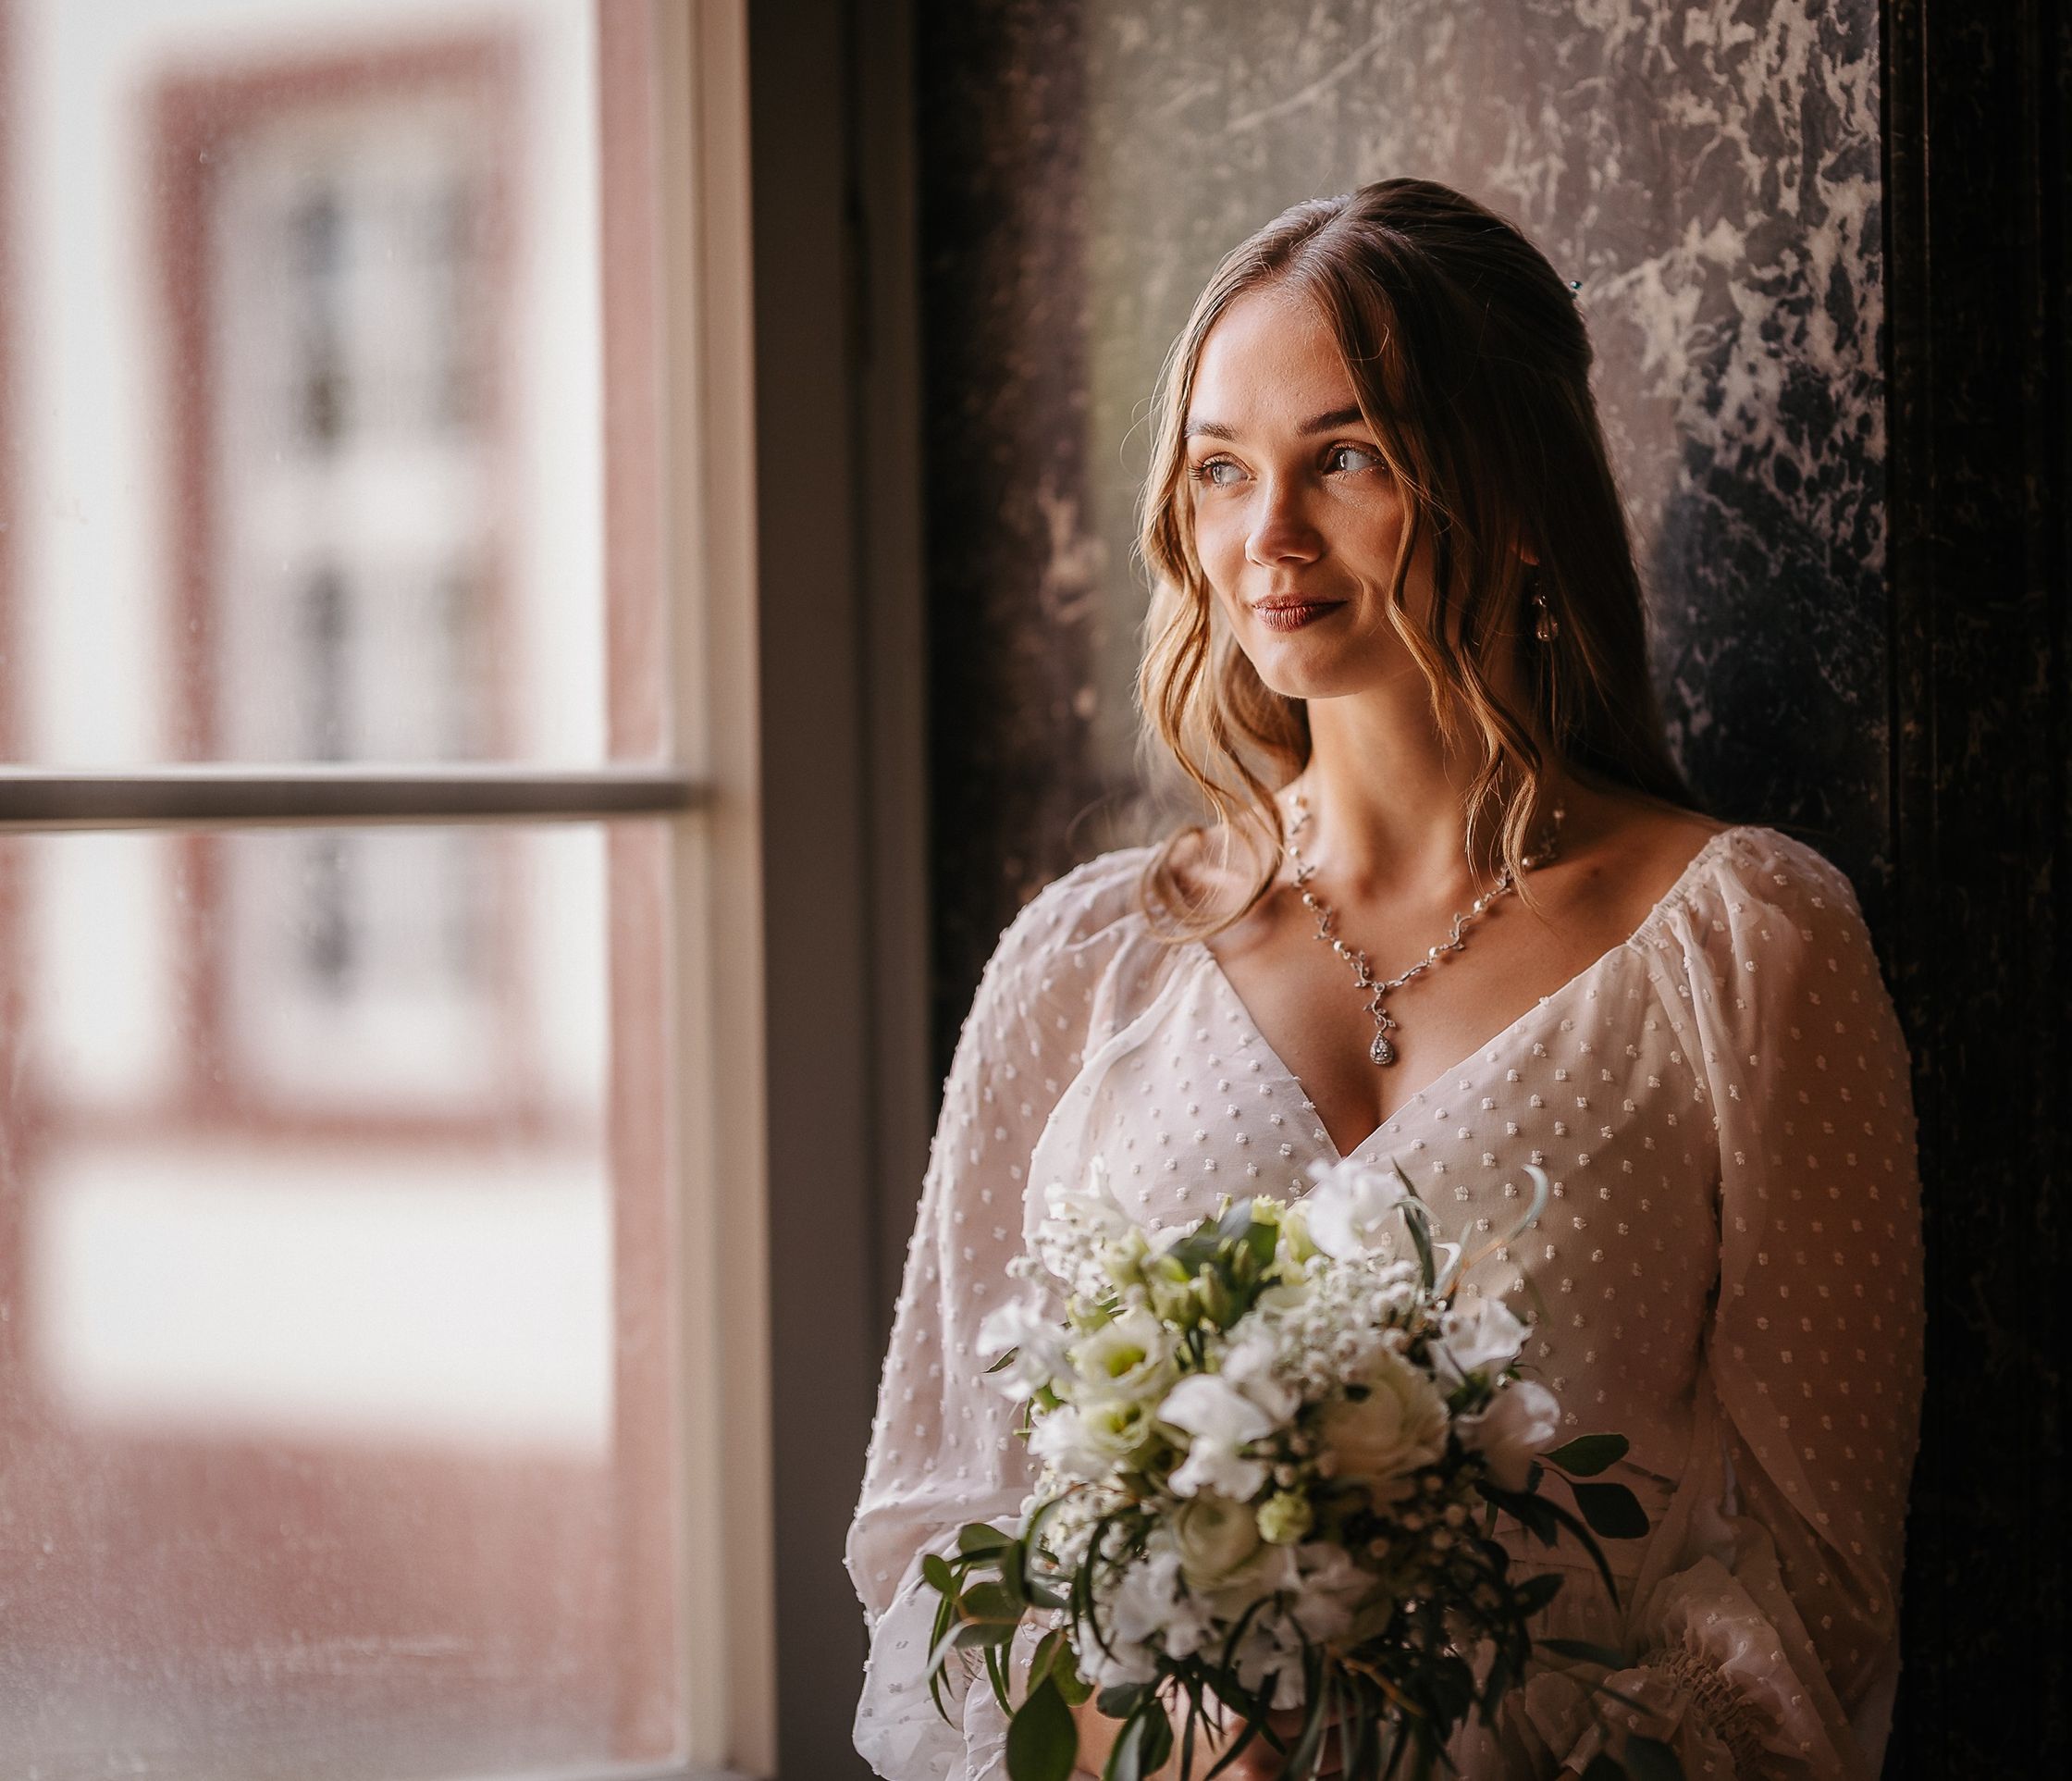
<point x="356" y="894"/>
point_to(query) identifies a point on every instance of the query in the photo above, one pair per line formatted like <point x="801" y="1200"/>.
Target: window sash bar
<point x="335" y="794"/>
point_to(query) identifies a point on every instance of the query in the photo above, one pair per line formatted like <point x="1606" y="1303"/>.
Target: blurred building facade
<point x="312" y="1399"/>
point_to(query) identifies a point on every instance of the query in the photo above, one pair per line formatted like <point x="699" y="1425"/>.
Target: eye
<point x="1210" y="473"/>
<point x="1352" y="458"/>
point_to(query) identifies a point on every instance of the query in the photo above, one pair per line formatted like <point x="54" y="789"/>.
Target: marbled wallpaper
<point x="1710" y="174"/>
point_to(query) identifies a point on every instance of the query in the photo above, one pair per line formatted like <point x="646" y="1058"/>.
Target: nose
<point x="1281" y="530"/>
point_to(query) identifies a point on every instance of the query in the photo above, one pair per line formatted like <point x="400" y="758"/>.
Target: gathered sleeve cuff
<point x="1764" y="1633"/>
<point x="1720" y="1664"/>
<point x="945" y="1445"/>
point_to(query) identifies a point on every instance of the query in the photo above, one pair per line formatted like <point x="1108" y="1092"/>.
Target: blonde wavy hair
<point x="1471" y="365"/>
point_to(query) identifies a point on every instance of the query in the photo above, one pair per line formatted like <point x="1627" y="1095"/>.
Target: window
<point x="372" y="798"/>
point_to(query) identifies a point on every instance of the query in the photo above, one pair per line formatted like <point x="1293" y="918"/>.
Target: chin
<point x="1299" y="668"/>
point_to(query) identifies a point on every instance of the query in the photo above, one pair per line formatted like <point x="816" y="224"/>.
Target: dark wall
<point x="1710" y="178"/>
<point x="1822" y="251"/>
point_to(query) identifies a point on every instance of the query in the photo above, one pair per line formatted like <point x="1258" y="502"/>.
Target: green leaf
<point x="1584" y="1651"/>
<point x="1541" y="1518"/>
<point x="991" y="1601"/>
<point x="1414" y="1217"/>
<point x="1612" y="1510"/>
<point x="1588" y="1455"/>
<point x="1145" y="1743"/>
<point x="1043" y="1596"/>
<point x="936" y="1569"/>
<point x="1011" y="1576"/>
<point x="1005" y="1360"/>
<point x="1309" y="1747"/>
<point x="1043" y="1738"/>
<point x="1250" y="1708"/>
<point x="1122" y="1698"/>
<point x="1054" y="1658"/>
<point x="976" y="1539"/>
<point x="1648" y="1759"/>
<point x="1589" y="1543"/>
<point x="1263" y="1239"/>
<point x="1157" y="1736"/>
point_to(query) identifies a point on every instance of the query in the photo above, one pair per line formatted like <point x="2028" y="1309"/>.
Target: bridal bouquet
<point x="1274" y="1457"/>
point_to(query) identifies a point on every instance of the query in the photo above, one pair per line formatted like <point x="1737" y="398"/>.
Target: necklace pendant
<point x="1381" y="1051"/>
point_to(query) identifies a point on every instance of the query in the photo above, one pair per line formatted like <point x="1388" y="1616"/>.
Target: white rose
<point x="1398" y="1427"/>
<point x="1522" y="1420"/>
<point x="1217" y="1537"/>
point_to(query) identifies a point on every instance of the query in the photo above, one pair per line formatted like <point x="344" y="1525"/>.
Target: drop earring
<point x="1546" y="626"/>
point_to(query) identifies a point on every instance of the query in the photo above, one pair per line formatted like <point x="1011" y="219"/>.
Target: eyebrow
<point x="1315" y="424"/>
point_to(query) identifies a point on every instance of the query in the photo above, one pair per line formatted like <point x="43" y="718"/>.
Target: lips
<point x="1290" y="613"/>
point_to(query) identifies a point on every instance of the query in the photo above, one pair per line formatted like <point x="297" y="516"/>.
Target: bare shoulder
<point x="1632" y="852"/>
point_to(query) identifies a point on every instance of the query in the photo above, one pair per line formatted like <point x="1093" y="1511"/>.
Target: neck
<point x="1389" y="802"/>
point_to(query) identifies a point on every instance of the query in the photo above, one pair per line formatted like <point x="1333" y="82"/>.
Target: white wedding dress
<point x="1729" y="1274"/>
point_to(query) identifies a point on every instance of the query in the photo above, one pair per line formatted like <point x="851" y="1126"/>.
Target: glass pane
<point x="334" y="1424"/>
<point x="329" y="405"/>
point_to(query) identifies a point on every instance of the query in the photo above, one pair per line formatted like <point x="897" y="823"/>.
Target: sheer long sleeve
<point x="944" y="1449"/>
<point x="1766" y="1629"/>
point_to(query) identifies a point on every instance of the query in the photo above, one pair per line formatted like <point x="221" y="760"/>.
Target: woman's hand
<point x="1261" y="1762"/>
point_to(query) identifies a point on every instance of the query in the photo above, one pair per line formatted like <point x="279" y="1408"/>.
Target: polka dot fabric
<point x="1728" y="1273"/>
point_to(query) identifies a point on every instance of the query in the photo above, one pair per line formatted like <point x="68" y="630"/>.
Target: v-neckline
<point x="1497" y="1042"/>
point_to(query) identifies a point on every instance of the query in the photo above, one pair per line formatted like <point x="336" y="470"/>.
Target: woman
<point x="1398" y="642"/>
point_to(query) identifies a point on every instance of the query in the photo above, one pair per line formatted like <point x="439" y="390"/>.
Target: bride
<point x="1452" y="909"/>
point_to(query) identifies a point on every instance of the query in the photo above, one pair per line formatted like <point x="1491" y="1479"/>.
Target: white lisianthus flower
<point x="1485" y="1339"/>
<point x="1524" y="1419"/>
<point x="1130" y="1357"/>
<point x="1027" y="1327"/>
<point x="1352" y="1211"/>
<point x="1398" y="1427"/>
<point x="1218" y="1420"/>
<point x="1090" y="1440"/>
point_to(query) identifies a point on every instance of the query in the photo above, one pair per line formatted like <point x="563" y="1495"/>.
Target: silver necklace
<point x="1383" y="1050"/>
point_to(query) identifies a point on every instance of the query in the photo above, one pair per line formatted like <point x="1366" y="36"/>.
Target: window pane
<point x="335" y="1413"/>
<point x="330" y="413"/>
